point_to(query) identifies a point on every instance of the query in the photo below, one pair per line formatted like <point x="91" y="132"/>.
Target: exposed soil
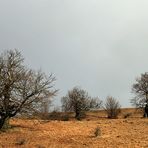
<point x="131" y="132"/>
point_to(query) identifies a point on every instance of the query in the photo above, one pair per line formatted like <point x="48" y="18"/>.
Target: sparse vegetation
<point x="54" y="115"/>
<point x="40" y="146"/>
<point x="112" y="107"/>
<point x="140" y="89"/>
<point x="22" y="90"/>
<point x="20" y="141"/>
<point x="79" y="101"/>
<point x="126" y="115"/>
<point x="97" y="132"/>
<point x="65" y="117"/>
<point x="93" y="133"/>
<point x="27" y="92"/>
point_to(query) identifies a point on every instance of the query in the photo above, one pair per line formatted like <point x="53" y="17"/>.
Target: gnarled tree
<point x="22" y="90"/>
<point x="140" y="89"/>
<point x="78" y="101"/>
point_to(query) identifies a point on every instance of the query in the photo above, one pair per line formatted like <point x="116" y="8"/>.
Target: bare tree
<point x="95" y="103"/>
<point x="112" y="107"/>
<point x="44" y="110"/>
<point x="21" y="90"/>
<point x="79" y="101"/>
<point x="140" y="89"/>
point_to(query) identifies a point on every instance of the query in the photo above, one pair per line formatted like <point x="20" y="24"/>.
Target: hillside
<point x="129" y="132"/>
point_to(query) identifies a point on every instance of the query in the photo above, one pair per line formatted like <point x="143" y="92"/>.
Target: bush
<point x="54" y="115"/>
<point x="20" y="141"/>
<point x="81" y="116"/>
<point x="97" y="132"/>
<point x="65" y="117"/>
<point x="127" y="115"/>
<point x="112" y="107"/>
<point x="78" y="101"/>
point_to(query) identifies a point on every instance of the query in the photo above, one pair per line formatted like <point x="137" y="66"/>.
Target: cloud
<point x="98" y="45"/>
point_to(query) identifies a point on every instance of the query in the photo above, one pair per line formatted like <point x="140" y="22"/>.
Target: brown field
<point x="131" y="132"/>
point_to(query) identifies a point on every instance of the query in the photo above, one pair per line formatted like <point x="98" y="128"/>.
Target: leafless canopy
<point x="140" y="89"/>
<point x="112" y="107"/>
<point x="21" y="89"/>
<point x="79" y="101"/>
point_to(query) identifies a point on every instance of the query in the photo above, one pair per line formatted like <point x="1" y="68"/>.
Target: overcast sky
<point x="99" y="45"/>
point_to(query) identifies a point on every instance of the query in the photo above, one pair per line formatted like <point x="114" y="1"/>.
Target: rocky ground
<point x="127" y="133"/>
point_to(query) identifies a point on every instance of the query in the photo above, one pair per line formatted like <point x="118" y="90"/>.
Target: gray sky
<point x="100" y="45"/>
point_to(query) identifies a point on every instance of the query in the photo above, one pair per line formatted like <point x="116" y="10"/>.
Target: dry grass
<point x="129" y="132"/>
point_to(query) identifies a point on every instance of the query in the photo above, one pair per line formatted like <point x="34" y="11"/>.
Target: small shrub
<point x="20" y="141"/>
<point x="97" y="132"/>
<point x="40" y="146"/>
<point x="127" y="115"/>
<point x="81" y="116"/>
<point x="78" y="101"/>
<point x="65" y="118"/>
<point x="112" y="107"/>
<point x="54" y="115"/>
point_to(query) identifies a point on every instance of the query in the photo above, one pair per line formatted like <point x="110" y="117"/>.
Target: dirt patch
<point x="129" y="132"/>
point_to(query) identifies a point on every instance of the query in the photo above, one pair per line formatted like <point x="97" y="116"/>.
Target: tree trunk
<point x="146" y="107"/>
<point x="4" y="123"/>
<point x="146" y="111"/>
<point x="2" y="120"/>
<point x="77" y="114"/>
